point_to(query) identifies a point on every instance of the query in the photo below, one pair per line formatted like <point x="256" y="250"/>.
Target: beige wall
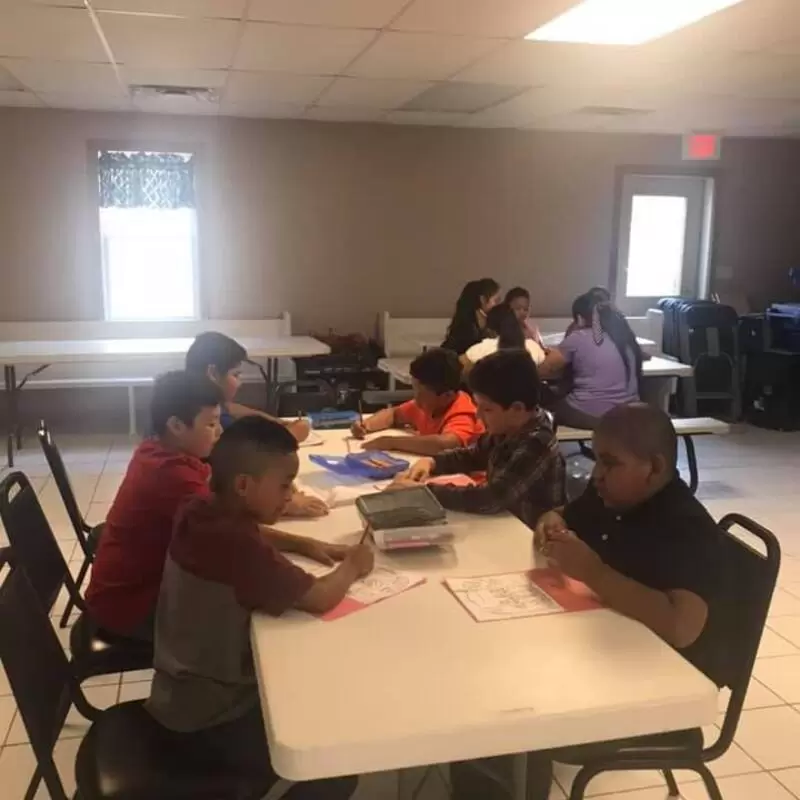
<point x="336" y="222"/>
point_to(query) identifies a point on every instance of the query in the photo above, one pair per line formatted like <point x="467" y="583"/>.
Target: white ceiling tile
<point x="62" y="3"/>
<point x="271" y="88"/>
<point x="425" y="118"/>
<point x="533" y="104"/>
<point x="65" y="77"/>
<point x="19" y="99"/>
<point x="169" y="42"/>
<point x="86" y="102"/>
<point x="220" y="9"/>
<point x="57" y="34"/>
<point x="175" y="105"/>
<point x="153" y="76"/>
<point x="756" y="75"/>
<point x="339" y="14"/>
<point x="300" y="48"/>
<point x="511" y="18"/>
<point x="263" y="110"/>
<point x="429" y="56"/>
<point x="363" y="92"/>
<point x="344" y="114"/>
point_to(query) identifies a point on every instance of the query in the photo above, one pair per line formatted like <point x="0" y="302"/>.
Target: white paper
<point x="380" y="584"/>
<point x="338" y="490"/>
<point x="313" y="440"/>
<point x="508" y="596"/>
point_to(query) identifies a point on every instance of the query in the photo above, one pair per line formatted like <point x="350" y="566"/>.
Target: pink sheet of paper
<point x="452" y="480"/>
<point x="570" y="594"/>
<point x="350" y="604"/>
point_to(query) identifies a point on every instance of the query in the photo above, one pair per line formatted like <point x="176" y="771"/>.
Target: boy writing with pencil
<point x="221" y="567"/>
<point x="440" y="417"/>
<point x="648" y="549"/>
<point x="519" y="451"/>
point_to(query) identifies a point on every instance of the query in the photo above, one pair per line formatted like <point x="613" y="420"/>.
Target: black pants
<point x="568" y="415"/>
<point x="241" y="746"/>
<point x="470" y="782"/>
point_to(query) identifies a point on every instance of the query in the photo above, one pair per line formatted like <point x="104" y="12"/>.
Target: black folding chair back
<point x="374" y="399"/>
<point x="32" y="542"/>
<point x="749" y="576"/>
<point x="86" y="535"/>
<point x="38" y="673"/>
<point x="296" y="398"/>
<point x="34" y="547"/>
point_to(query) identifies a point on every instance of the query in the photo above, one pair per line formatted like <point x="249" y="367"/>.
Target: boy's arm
<point x="418" y="445"/>
<point x="678" y="616"/>
<point x="328" y="591"/>
<point x="473" y="458"/>
<point x="508" y="485"/>
<point x="379" y="421"/>
<point x="300" y="428"/>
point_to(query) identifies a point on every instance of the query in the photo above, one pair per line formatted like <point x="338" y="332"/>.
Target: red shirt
<point x="460" y="419"/>
<point x="127" y="569"/>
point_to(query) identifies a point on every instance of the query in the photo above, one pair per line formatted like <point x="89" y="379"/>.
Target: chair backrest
<point x="376" y="398"/>
<point x="294" y="398"/>
<point x="56" y="464"/>
<point x="749" y="581"/>
<point x="33" y="545"/>
<point x="37" y="671"/>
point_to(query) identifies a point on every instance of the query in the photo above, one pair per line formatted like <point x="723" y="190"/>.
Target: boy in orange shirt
<point x="443" y="416"/>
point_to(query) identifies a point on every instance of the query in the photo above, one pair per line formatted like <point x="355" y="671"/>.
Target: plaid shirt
<point x="524" y="471"/>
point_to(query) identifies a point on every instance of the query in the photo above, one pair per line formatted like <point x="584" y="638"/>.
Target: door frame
<point x="655" y="171"/>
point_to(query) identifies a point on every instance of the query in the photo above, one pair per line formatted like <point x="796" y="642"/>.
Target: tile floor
<point x="751" y="471"/>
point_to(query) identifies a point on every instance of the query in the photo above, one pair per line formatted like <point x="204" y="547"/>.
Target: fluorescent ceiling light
<point x="625" y="21"/>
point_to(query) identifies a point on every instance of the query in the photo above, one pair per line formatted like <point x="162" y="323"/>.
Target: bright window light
<point x="624" y="22"/>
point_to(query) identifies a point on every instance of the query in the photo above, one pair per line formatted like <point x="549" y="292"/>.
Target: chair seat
<point x="93" y="537"/>
<point x="97" y="652"/>
<point x="127" y="755"/>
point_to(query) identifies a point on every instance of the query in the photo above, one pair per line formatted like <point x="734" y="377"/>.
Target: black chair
<point x="33" y="546"/>
<point x="372" y="399"/>
<point x="87" y="535"/>
<point x="125" y="754"/>
<point x="297" y="398"/>
<point x="750" y="580"/>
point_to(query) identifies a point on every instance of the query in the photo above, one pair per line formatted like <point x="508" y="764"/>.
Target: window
<point x="664" y="239"/>
<point x="148" y="235"/>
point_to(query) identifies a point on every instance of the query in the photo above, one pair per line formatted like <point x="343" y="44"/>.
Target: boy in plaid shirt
<point x="519" y="452"/>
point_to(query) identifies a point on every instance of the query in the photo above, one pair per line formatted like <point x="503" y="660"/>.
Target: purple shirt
<point x="599" y="378"/>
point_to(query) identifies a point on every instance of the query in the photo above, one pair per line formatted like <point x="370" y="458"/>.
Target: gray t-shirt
<point x="600" y="380"/>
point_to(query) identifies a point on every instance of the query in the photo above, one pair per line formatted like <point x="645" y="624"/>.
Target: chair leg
<point x="691" y="460"/>
<point x="672" y="784"/>
<point x="64" y="621"/>
<point x="581" y="781"/>
<point x="710" y="782"/>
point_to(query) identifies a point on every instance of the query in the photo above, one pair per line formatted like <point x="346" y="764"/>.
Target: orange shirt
<point x="460" y="419"/>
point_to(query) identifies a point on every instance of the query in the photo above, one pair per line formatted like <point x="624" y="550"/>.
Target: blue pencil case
<point x="332" y="419"/>
<point x="376" y="466"/>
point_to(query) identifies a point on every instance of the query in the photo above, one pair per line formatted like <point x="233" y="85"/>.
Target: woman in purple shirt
<point x="605" y="360"/>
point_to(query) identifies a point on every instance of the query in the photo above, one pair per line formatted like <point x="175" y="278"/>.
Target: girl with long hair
<point x="468" y="324"/>
<point x="504" y="333"/>
<point x="519" y="300"/>
<point x="605" y="361"/>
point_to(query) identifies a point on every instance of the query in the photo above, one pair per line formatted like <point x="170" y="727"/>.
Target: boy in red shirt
<point x="443" y="416"/>
<point x="165" y="470"/>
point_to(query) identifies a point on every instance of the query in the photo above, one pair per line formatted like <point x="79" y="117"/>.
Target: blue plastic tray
<point x="377" y="465"/>
<point x="328" y="420"/>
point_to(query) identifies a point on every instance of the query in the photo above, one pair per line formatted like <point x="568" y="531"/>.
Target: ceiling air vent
<point x="199" y="93"/>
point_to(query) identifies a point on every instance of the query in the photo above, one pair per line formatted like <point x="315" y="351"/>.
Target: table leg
<point x="12" y="421"/>
<point x="131" y="411"/>
<point x="406" y="784"/>
<point x="519" y="776"/>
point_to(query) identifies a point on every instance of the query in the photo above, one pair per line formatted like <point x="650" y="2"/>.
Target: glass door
<point x="663" y="240"/>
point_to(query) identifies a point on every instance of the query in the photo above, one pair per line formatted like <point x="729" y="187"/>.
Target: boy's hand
<point x="362" y="558"/>
<point x="300" y="429"/>
<point x="325" y="553"/>
<point x="549" y="522"/>
<point x="359" y="430"/>
<point x="400" y="483"/>
<point x="420" y="471"/>
<point x="572" y="556"/>
<point x="303" y="505"/>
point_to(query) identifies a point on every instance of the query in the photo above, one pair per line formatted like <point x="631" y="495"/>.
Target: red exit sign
<point x="702" y="147"/>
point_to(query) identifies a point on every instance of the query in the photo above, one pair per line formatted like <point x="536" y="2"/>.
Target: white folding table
<point x="415" y="681"/>
<point x="41" y="354"/>
<point x="550" y="340"/>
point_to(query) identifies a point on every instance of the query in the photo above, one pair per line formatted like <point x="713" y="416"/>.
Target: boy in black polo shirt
<point x="648" y="548"/>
